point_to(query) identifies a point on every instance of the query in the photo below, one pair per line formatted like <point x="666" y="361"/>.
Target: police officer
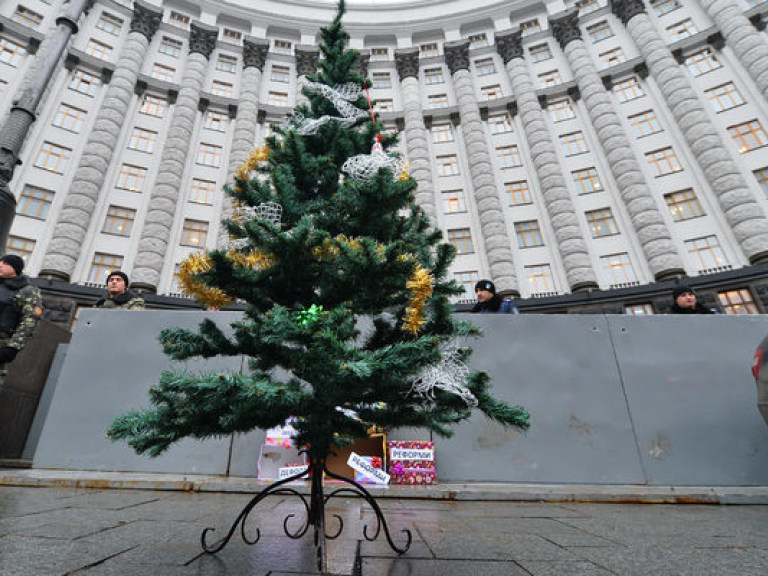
<point x="21" y="307"/>
<point x="119" y="297"/>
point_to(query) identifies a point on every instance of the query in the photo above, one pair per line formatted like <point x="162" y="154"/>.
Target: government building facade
<point x="583" y="155"/>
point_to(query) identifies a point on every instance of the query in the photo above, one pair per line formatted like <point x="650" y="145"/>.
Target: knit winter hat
<point x="14" y="262"/>
<point x="485" y="285"/>
<point x="681" y="289"/>
<point x="122" y="275"/>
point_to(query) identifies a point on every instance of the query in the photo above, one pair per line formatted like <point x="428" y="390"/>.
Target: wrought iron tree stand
<point x="315" y="513"/>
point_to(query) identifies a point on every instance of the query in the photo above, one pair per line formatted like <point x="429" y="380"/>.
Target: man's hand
<point x="7" y="354"/>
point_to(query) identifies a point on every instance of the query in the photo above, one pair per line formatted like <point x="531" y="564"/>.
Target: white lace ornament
<point x="341" y="97"/>
<point x="366" y="166"/>
<point x="271" y="211"/>
<point x="449" y="374"/>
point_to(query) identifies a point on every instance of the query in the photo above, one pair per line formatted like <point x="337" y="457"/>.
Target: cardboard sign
<point x="411" y="453"/>
<point x="359" y="464"/>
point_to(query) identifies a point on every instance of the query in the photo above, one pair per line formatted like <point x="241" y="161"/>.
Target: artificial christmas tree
<point x="348" y="322"/>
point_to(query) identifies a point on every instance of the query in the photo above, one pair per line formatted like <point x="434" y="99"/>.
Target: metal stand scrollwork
<point x="315" y="513"/>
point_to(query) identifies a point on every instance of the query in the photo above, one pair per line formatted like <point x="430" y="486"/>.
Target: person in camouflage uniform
<point x="21" y="307"/>
<point x="119" y="297"/>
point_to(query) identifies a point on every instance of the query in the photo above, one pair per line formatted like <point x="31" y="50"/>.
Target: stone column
<point x="416" y="134"/>
<point x="749" y="45"/>
<point x="74" y="219"/>
<point x="742" y="212"/>
<point x="493" y="226"/>
<point x="158" y="222"/>
<point x="244" y="138"/>
<point x="647" y="221"/>
<point x="557" y="199"/>
<point x="306" y="63"/>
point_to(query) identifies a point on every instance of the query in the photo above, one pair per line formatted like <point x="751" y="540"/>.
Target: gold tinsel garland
<point x="258" y="155"/>
<point x="420" y="284"/>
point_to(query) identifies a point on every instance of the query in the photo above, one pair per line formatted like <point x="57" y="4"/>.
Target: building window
<point x="528" y="234"/>
<point x="98" y="49"/>
<point x="573" y="143"/>
<point x="485" y="67"/>
<point x="232" y="36"/>
<point x="215" y="120"/>
<point x="209" y="155"/>
<point x="179" y="20"/>
<point x="550" y="78"/>
<point x="645" y="123"/>
<point x="613" y="57"/>
<point x="738" y="302"/>
<point x="153" y="105"/>
<point x="69" y="118"/>
<point x="500" y="123"/>
<point x="170" y="47"/>
<point x="282" y="47"/>
<point x="761" y="175"/>
<point x="540" y="52"/>
<point x="618" y="269"/>
<point x="453" y="201"/>
<point x="53" y="157"/>
<point x="11" y="52"/>
<point x="143" y="140"/>
<point x="384" y="105"/>
<point x="724" y="97"/>
<point x="441" y="133"/>
<point x="644" y="309"/>
<point x="628" y="89"/>
<point x="434" y="76"/>
<point x="540" y="279"/>
<point x="227" y="63"/>
<point x="509" y="156"/>
<point x="662" y="7"/>
<point x="102" y="265"/>
<point x="110" y="24"/>
<point x="519" y="193"/>
<point x="131" y="178"/>
<point x="492" y="92"/>
<point x="382" y="80"/>
<point x="163" y="73"/>
<point x="748" y="136"/>
<point x="467" y="281"/>
<point x="530" y="27"/>
<point x="684" y="205"/>
<point x="428" y="50"/>
<point x="194" y="233"/>
<point x="27" y="17"/>
<point x="437" y="100"/>
<point x="202" y="191"/>
<point x="664" y="161"/>
<point x="601" y="223"/>
<point x="701" y="62"/>
<point x="561" y="110"/>
<point x="461" y="238"/>
<point x="21" y="247"/>
<point x="224" y="89"/>
<point x="599" y="31"/>
<point x="280" y="73"/>
<point x="706" y="252"/>
<point x="587" y="181"/>
<point x="378" y="54"/>
<point x="448" y="165"/>
<point x="278" y="98"/>
<point x="683" y="29"/>
<point x="478" y="40"/>
<point x="119" y="221"/>
<point x="34" y="202"/>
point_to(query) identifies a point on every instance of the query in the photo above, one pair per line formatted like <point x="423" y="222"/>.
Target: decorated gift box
<point x="375" y="462"/>
<point x="281" y="435"/>
<point x="411" y="462"/>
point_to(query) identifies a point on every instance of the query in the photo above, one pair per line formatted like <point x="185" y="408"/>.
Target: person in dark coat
<point x="684" y="301"/>
<point x="488" y="302"/>
<point x="119" y="297"/>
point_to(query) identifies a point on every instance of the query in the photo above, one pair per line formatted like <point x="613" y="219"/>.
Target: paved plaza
<point x="98" y="532"/>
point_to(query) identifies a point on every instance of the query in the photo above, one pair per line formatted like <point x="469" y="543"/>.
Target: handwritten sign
<point x="359" y="464"/>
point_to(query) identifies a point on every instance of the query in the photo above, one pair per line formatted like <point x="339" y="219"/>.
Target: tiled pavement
<point x="48" y="531"/>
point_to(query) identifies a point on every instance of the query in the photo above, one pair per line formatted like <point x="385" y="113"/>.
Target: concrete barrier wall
<point x="659" y="400"/>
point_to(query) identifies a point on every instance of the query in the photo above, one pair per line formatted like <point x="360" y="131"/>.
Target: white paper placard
<point x="288" y="471"/>
<point x="412" y="454"/>
<point x="376" y="475"/>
